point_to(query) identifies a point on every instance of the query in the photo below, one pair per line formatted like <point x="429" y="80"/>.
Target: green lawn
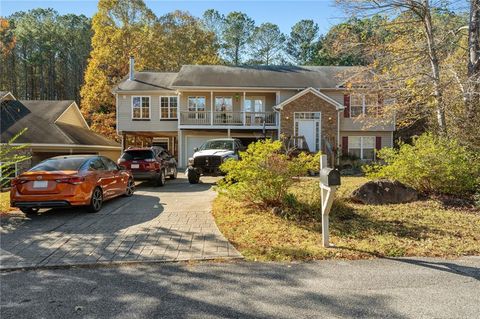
<point x="422" y="228"/>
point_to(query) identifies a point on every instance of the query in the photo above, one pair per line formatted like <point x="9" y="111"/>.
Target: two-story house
<point x="312" y="105"/>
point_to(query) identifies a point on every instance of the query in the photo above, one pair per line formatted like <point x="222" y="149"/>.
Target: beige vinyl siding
<point x="126" y="124"/>
<point x="360" y="124"/>
<point x="366" y="124"/>
<point x="286" y="94"/>
<point x="72" y="116"/>
<point x="337" y="95"/>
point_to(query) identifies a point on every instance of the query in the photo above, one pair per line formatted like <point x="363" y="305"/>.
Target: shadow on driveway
<point x="150" y="225"/>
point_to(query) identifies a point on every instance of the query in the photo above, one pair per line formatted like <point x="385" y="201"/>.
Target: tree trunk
<point x="432" y="54"/>
<point x="237" y="49"/>
<point x="473" y="71"/>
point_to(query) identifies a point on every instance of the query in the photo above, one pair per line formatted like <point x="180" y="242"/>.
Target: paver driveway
<point x="167" y="223"/>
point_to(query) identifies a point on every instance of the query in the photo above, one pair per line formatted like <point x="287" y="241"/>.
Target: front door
<point x="307" y="124"/>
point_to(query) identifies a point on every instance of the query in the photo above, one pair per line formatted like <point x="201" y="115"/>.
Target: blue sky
<point x="283" y="13"/>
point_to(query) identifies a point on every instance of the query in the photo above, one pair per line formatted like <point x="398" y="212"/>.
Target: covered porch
<point x="252" y="109"/>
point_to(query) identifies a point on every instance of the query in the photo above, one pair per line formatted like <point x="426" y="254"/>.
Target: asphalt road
<point x="388" y="288"/>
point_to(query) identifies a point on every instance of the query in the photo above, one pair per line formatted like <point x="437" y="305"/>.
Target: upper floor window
<point x="365" y="104"/>
<point x="196" y="103"/>
<point x="254" y="104"/>
<point x="223" y="103"/>
<point x="168" y="107"/>
<point x="141" y="107"/>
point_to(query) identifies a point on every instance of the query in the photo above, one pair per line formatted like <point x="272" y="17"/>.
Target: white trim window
<point x="168" y="107"/>
<point x="254" y="104"/>
<point x="197" y="103"/>
<point x="223" y="104"/>
<point x="362" y="147"/>
<point x="363" y="104"/>
<point x="141" y="107"/>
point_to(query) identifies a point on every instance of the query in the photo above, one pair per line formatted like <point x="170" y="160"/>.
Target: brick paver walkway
<point x="169" y="223"/>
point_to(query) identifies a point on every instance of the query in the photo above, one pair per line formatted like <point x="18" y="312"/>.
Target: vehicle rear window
<point x="137" y="155"/>
<point x="59" y="164"/>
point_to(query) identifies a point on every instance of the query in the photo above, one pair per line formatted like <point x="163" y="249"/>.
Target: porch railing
<point x="219" y="118"/>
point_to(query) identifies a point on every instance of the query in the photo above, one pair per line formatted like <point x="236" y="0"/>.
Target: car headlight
<point x="190" y="161"/>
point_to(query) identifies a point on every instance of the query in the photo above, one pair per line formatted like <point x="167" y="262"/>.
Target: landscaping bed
<point x="422" y="228"/>
<point x="5" y="202"/>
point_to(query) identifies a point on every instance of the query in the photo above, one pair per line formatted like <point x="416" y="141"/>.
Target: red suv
<point x="149" y="163"/>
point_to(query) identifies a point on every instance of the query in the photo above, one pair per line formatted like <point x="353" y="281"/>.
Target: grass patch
<point x="421" y="228"/>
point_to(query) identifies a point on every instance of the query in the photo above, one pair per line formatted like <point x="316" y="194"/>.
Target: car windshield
<point x="136" y="155"/>
<point x="59" y="164"/>
<point x="217" y="145"/>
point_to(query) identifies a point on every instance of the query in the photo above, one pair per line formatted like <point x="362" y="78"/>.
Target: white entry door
<point x="307" y="124"/>
<point x="306" y="128"/>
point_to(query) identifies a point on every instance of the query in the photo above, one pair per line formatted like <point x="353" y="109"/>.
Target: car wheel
<point x="160" y="181"/>
<point x="193" y="177"/>
<point x="174" y="174"/>
<point x="130" y="187"/>
<point x="29" y="210"/>
<point x="96" y="202"/>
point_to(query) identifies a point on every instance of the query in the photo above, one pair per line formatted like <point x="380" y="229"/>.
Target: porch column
<point x="211" y="108"/>
<point x="124" y="141"/>
<point x="243" y="108"/>
<point x="179" y="109"/>
<point x="180" y="149"/>
<point x="277" y="113"/>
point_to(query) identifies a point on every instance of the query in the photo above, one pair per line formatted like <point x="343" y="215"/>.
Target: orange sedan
<point x="66" y="181"/>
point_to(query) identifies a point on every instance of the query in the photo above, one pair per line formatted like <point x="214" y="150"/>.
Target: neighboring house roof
<point x="40" y="119"/>
<point x="147" y="81"/>
<point x="294" y="77"/>
<point x="326" y="98"/>
<point x="6" y="95"/>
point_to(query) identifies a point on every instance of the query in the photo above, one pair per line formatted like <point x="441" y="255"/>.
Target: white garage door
<point x="195" y="141"/>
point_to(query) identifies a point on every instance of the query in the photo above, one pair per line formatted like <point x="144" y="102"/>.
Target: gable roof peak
<point x="314" y="91"/>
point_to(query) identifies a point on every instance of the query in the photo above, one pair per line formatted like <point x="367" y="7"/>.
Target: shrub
<point x="430" y="165"/>
<point x="264" y="175"/>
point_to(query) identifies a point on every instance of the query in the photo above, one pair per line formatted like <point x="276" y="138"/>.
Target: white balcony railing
<point x="228" y="118"/>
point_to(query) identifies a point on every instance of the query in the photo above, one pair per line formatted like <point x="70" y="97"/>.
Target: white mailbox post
<point x="329" y="182"/>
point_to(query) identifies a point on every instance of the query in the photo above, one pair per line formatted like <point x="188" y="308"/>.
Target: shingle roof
<point x="263" y="76"/>
<point x="147" y="81"/>
<point x="4" y="93"/>
<point x="39" y="117"/>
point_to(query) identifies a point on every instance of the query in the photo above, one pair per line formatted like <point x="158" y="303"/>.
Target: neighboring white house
<point x="180" y="111"/>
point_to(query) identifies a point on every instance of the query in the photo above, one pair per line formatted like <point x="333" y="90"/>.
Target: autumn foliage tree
<point x="121" y="28"/>
<point x="422" y="64"/>
<point x="127" y="27"/>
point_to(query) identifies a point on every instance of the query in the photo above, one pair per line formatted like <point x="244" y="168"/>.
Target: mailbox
<point x="330" y="177"/>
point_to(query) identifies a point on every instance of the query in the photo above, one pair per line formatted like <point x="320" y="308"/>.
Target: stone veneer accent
<point x="311" y="103"/>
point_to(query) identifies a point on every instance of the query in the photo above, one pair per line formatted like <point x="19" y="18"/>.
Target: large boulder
<point x="384" y="192"/>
